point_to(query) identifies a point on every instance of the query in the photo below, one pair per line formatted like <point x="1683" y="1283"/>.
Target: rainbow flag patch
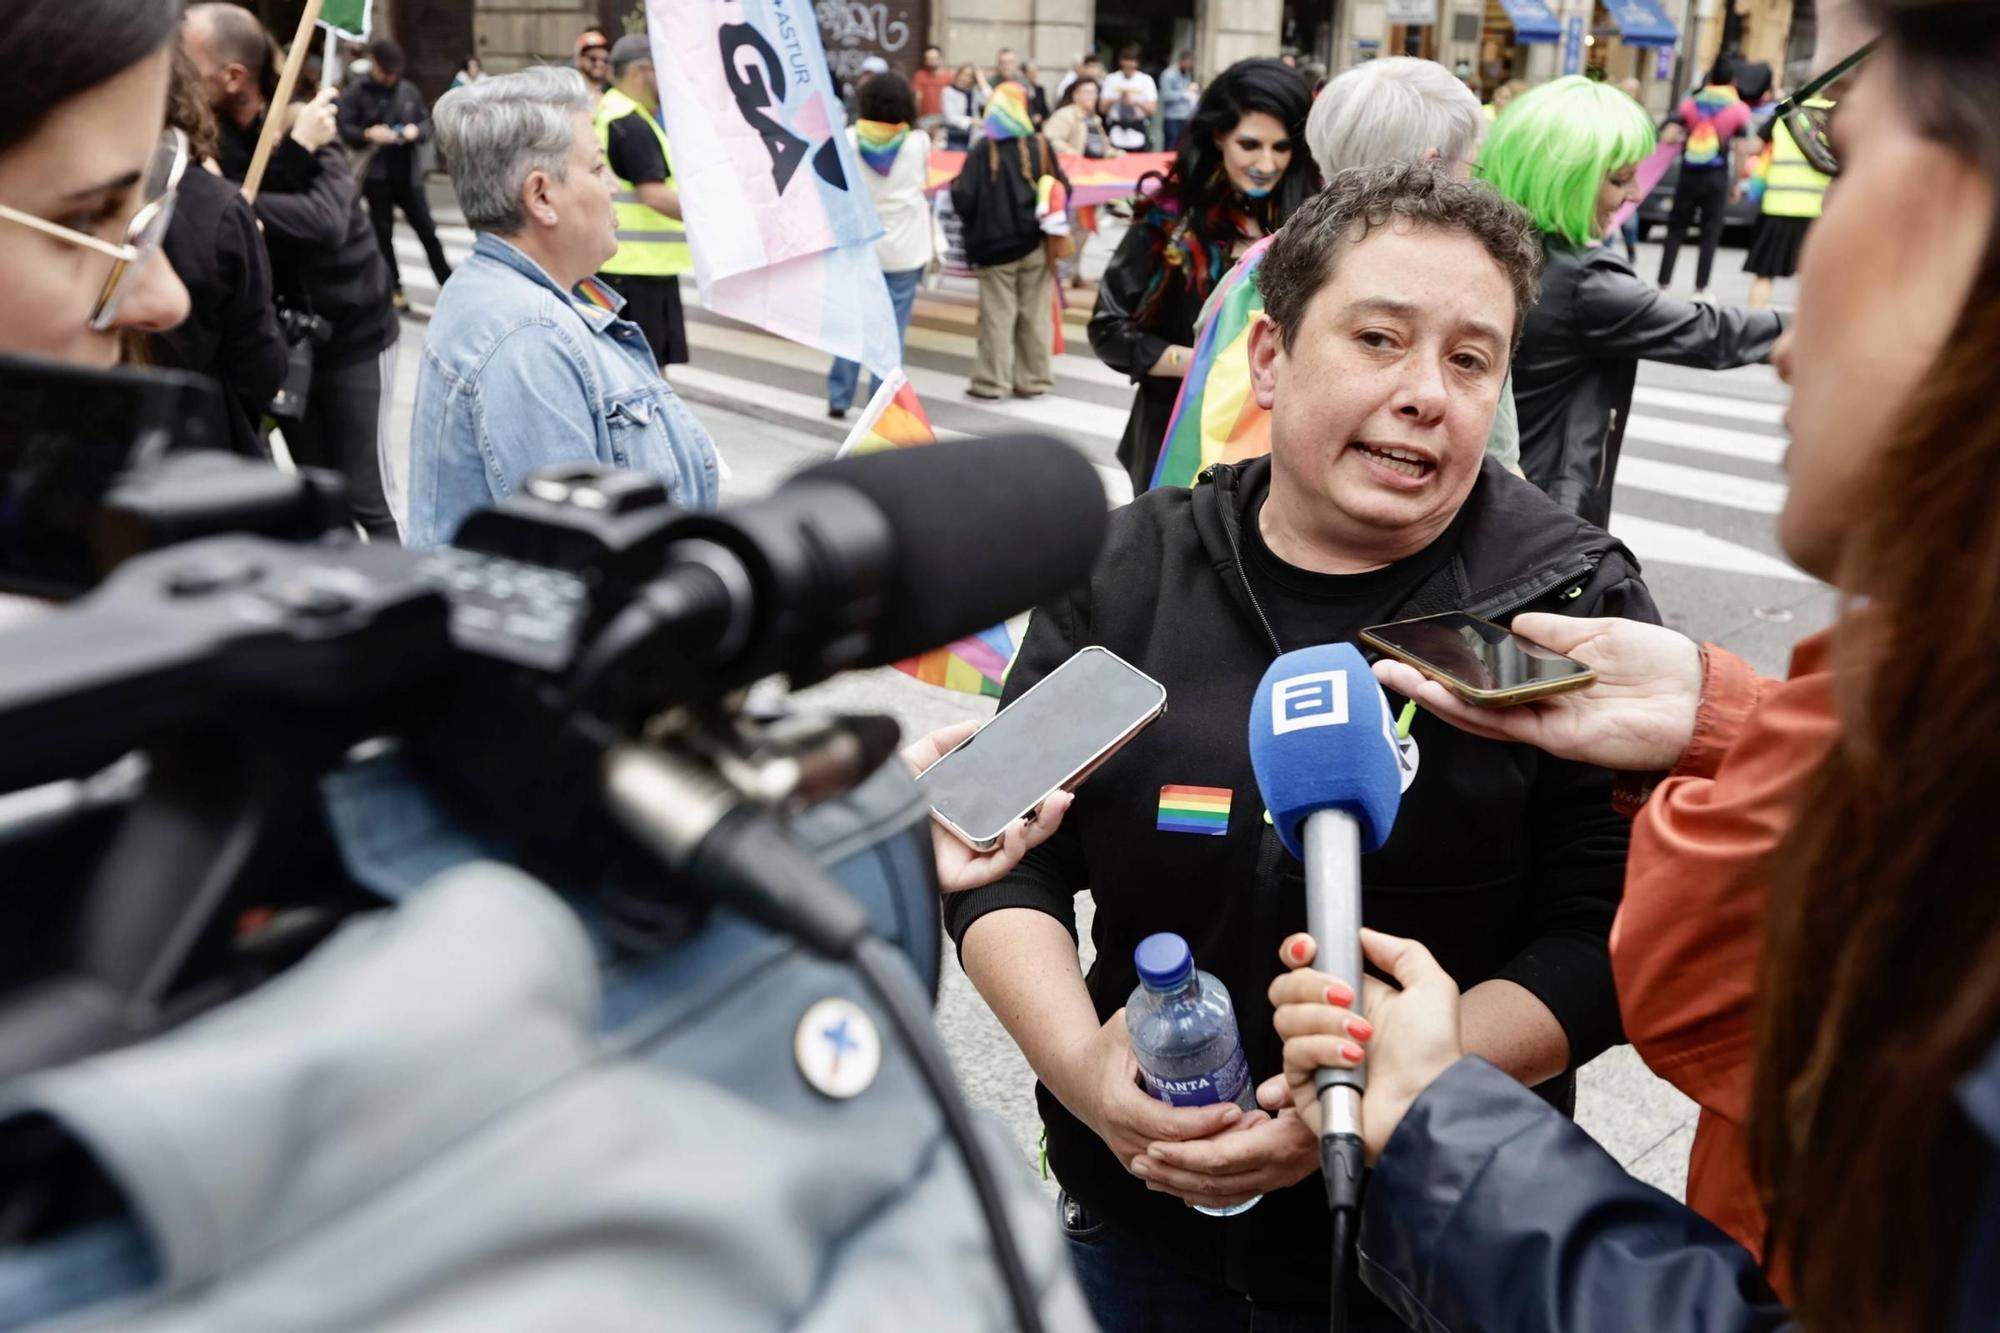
<point x="1202" y="810"/>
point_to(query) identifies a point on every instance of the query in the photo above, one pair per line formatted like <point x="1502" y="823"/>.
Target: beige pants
<point x="1014" y="327"/>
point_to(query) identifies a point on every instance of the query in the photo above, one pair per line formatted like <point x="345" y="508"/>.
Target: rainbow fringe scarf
<point x="1216" y="418"/>
<point x="879" y="142"/>
<point x="1007" y="114"/>
<point x="977" y="664"/>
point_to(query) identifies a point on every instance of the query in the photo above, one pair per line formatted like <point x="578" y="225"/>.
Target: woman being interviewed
<point x="1810" y="938"/>
<point x="1568" y="153"/>
<point x="1242" y="169"/>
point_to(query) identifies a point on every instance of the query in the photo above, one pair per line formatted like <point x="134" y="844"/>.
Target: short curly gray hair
<point x="1416" y="194"/>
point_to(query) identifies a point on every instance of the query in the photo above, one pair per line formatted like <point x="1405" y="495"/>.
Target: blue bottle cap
<point x="1164" y="961"/>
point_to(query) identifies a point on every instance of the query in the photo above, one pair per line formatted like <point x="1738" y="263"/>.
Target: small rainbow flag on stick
<point x="894" y="419"/>
<point x="1216" y="419"/>
<point x="974" y="665"/>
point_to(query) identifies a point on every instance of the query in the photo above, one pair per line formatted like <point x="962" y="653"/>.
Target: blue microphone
<point x="1323" y="743"/>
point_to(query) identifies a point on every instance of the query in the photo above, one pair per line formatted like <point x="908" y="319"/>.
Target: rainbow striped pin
<point x="1203" y="810"/>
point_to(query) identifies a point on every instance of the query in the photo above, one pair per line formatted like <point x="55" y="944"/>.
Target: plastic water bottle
<point x="1183" y="1029"/>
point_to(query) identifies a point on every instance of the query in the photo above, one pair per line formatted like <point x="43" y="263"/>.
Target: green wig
<point x="1551" y="149"/>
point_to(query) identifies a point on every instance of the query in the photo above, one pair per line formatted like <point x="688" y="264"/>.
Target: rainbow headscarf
<point x="1007" y="114"/>
<point x="879" y="142"/>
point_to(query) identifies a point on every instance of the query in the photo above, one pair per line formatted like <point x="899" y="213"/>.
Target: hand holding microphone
<point x="1411" y="1032"/>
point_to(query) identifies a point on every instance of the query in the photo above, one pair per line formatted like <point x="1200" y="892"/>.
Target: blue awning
<point x="1533" y="20"/>
<point x="1641" y="23"/>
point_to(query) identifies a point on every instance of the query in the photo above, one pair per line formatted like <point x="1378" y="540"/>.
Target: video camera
<point x="573" y="671"/>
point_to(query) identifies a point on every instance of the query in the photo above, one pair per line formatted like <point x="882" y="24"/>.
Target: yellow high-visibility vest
<point x="650" y="244"/>
<point x="1793" y="189"/>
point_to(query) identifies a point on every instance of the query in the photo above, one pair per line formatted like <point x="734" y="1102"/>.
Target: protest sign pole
<point x="274" y="114"/>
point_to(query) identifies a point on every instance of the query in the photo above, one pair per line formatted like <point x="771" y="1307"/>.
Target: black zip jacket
<point x="1125" y="345"/>
<point x="370" y="103"/>
<point x="994" y="197"/>
<point x="322" y="248"/>
<point x="1595" y="322"/>
<point x="231" y="332"/>
<point x="1506" y="862"/>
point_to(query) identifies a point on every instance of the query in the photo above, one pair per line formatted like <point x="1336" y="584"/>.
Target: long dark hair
<point x="1197" y="181"/>
<point x="1196" y="216"/>
<point x="1881" y="979"/>
<point x="53" y="50"/>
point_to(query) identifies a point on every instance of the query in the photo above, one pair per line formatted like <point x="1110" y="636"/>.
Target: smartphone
<point x="1046" y="741"/>
<point x="66" y="435"/>
<point x="1482" y="663"/>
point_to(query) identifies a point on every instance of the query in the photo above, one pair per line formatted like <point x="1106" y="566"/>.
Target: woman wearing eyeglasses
<point x="1809" y="942"/>
<point x="87" y="176"/>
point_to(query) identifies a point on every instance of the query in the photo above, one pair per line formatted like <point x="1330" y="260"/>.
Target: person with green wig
<point x="1568" y="153"/>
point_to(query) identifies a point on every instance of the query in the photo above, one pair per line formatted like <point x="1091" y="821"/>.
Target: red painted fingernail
<point x="1352" y="1052"/>
<point x="1360" y="1029"/>
<point x="1298" y="951"/>
<point x="1339" y="994"/>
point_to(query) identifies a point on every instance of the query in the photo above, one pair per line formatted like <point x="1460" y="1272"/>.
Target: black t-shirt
<point x="1307" y="608"/>
<point x="634" y="152"/>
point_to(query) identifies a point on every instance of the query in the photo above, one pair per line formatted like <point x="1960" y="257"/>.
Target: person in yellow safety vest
<point x="652" y="243"/>
<point x="1793" y="192"/>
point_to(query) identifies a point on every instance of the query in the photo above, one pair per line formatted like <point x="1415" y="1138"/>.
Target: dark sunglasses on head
<point x="1810" y="117"/>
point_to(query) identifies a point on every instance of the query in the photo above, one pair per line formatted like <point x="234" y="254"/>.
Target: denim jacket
<point x="518" y="375"/>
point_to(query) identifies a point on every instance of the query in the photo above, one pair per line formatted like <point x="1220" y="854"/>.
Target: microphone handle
<point x="1333" y="914"/>
<point x="1333" y="917"/>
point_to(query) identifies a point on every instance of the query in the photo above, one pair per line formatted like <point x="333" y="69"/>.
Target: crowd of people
<point x="1776" y="889"/>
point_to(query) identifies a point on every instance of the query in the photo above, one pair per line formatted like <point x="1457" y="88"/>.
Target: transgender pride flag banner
<point x="781" y="228"/>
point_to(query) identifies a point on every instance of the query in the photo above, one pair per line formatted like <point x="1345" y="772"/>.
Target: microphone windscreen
<point x="1322" y="737"/>
<point x="983" y="530"/>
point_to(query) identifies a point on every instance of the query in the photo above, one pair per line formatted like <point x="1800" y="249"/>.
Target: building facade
<point x="1661" y="43"/>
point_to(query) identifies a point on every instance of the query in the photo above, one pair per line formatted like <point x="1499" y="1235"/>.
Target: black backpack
<point x="998" y="216"/>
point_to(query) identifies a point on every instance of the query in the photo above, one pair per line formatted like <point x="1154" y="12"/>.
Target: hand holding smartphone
<point x="1048" y="740"/>
<point x="1487" y="665"/>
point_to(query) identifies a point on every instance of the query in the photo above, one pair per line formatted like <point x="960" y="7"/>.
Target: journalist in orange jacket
<point x="1809" y="943"/>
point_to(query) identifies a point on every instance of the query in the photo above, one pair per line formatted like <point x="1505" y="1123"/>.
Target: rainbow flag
<point x="973" y="665"/>
<point x="976" y="664"/>
<point x="894" y="419"/>
<point x="1092" y="180"/>
<point x="1216" y="418"/>
<point x="598" y="294"/>
<point x="1202" y="810"/>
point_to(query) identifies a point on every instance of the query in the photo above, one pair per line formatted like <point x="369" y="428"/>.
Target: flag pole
<point x="274" y="114"/>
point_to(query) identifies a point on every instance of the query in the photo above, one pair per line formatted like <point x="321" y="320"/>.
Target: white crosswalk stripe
<point x="1670" y="505"/>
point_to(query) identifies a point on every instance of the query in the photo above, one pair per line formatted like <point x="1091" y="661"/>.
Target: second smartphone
<point x="1485" y="664"/>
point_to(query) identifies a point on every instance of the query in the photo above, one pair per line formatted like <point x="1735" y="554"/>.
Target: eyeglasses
<point x="1811" y="125"/>
<point x="143" y="235"/>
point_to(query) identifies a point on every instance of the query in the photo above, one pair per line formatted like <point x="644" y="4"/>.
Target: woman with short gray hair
<point x="1396" y="110"/>
<point x="492" y="133"/>
<point x="527" y="363"/>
